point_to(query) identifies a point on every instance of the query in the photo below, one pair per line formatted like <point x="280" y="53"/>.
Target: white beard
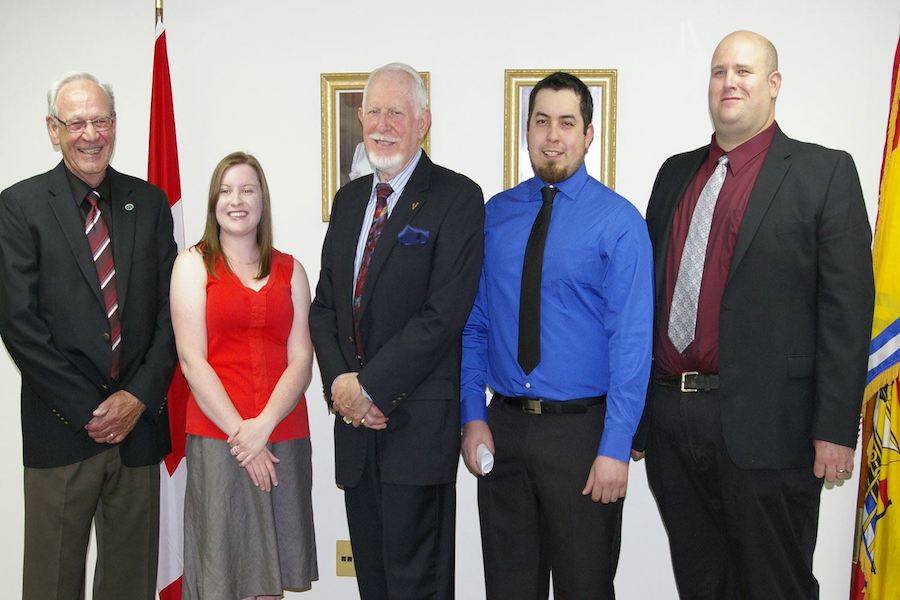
<point x="386" y="164"/>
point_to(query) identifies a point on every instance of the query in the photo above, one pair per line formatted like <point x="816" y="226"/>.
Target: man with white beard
<point x="400" y="267"/>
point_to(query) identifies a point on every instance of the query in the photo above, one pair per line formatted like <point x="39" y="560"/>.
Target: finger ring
<point x="362" y="421"/>
<point x="842" y="470"/>
<point x="112" y="436"/>
<point x="234" y="450"/>
<point x="348" y="420"/>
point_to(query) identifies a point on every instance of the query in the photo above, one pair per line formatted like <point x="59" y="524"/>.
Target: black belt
<point x="691" y="381"/>
<point x="538" y="406"/>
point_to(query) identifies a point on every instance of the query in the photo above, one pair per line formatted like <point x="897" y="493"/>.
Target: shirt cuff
<point x="366" y="394"/>
<point x="615" y="444"/>
<point x="472" y="409"/>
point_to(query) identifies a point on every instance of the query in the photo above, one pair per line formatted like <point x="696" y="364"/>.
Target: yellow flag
<point x="877" y="543"/>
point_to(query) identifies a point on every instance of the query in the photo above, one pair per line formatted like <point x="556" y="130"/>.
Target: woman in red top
<point x="239" y="309"/>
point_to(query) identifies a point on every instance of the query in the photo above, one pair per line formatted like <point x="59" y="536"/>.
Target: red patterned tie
<point x="101" y="249"/>
<point x="382" y="191"/>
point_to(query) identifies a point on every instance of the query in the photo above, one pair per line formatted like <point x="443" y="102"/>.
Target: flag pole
<point x="159" y="10"/>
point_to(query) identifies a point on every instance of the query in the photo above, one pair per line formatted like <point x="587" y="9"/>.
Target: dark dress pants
<point x="61" y="503"/>
<point x="402" y="535"/>
<point x="733" y="533"/>
<point x="534" y="519"/>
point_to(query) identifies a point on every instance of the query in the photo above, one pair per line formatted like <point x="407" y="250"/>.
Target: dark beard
<point x="551" y="173"/>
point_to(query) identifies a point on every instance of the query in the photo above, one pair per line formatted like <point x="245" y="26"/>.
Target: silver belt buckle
<point x="685" y="374"/>
<point x="531" y="407"/>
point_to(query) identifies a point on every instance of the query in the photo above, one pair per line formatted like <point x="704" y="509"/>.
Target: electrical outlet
<point x="344" y="559"/>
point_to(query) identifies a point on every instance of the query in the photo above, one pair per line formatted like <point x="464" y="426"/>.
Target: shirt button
<point x="528" y="385"/>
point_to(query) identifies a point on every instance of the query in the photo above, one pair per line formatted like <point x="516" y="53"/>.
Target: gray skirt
<point x="238" y="540"/>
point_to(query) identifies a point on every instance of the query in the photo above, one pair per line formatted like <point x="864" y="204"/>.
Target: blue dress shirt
<point x="596" y="306"/>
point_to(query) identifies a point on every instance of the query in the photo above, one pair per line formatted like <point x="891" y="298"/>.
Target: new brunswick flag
<point x="877" y="542"/>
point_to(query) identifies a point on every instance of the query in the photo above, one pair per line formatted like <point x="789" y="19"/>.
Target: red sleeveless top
<point x="247" y="333"/>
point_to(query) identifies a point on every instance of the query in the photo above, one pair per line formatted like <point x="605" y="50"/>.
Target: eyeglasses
<point x="101" y="124"/>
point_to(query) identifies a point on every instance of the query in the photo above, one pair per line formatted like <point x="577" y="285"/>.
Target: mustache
<point x="378" y="137"/>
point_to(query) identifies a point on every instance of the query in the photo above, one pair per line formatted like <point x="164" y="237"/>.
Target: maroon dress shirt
<point x="744" y="164"/>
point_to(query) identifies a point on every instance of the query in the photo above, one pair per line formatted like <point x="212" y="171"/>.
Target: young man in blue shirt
<point x="561" y="332"/>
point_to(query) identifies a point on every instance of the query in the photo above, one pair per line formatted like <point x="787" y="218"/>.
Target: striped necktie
<point x="382" y="191"/>
<point x="101" y="249"/>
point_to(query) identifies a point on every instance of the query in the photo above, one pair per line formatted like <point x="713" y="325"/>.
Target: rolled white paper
<point x="485" y="458"/>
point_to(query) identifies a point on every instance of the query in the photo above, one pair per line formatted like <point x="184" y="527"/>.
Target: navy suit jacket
<point x="416" y="299"/>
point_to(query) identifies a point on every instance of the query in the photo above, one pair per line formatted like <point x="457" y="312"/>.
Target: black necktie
<point x="530" y="298"/>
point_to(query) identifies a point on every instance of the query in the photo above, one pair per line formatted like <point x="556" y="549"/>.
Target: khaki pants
<point x="61" y="502"/>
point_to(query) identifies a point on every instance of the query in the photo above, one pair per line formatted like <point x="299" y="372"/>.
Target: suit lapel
<point x="774" y="168"/>
<point x="72" y="224"/>
<point x="122" y="233"/>
<point x="413" y="193"/>
<point x="676" y="191"/>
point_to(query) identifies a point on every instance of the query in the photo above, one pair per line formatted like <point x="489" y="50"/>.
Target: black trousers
<point x="403" y="536"/>
<point x="534" y="519"/>
<point x="733" y="533"/>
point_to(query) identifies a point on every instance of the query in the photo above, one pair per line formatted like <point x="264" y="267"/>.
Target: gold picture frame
<point x="342" y="132"/>
<point x="601" y="158"/>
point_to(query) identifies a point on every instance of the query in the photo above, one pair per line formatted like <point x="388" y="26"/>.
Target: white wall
<point x="246" y="76"/>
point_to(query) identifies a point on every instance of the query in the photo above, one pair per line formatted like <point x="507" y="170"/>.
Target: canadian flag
<point x="162" y="171"/>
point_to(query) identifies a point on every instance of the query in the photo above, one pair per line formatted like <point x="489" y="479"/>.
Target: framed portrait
<point x="343" y="155"/>
<point x="601" y="156"/>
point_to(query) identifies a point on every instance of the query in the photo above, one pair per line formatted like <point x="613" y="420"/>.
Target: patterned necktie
<point x="683" y="314"/>
<point x="530" y="294"/>
<point x="382" y="191"/>
<point x="101" y="249"/>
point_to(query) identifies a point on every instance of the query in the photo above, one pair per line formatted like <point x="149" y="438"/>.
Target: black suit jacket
<point x="797" y="307"/>
<point x="415" y="302"/>
<point x="52" y="316"/>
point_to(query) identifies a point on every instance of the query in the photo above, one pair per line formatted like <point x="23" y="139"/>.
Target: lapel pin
<point x="129" y="206"/>
<point x="415" y="205"/>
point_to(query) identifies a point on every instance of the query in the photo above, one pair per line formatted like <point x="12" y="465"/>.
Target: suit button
<point x="396" y="402"/>
<point x="350" y="338"/>
<point x="105" y="336"/>
<point x="104" y="386"/>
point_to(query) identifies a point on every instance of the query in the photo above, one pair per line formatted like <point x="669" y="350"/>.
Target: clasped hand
<point x="349" y="401"/>
<point x="114" y="418"/>
<point x="248" y="446"/>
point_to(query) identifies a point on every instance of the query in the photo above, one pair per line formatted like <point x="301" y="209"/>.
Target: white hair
<point x="418" y="86"/>
<point x="53" y="92"/>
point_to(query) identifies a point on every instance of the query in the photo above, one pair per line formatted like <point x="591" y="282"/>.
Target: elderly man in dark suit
<point x="400" y="268"/>
<point x="759" y="371"/>
<point x="85" y="259"/>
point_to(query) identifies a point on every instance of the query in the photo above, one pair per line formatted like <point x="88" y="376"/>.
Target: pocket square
<point x="413" y="236"/>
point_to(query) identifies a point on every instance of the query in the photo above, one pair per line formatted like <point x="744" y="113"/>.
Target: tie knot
<point x="723" y="160"/>
<point x="92" y="197"/>
<point x="382" y="191"/>
<point x="548" y="193"/>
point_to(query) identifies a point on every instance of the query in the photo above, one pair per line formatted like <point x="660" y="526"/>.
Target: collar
<point x="570" y="186"/>
<point x="742" y="155"/>
<point x="80" y="189"/>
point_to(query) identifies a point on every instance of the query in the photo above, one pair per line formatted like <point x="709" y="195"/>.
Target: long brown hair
<point x="209" y="245"/>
